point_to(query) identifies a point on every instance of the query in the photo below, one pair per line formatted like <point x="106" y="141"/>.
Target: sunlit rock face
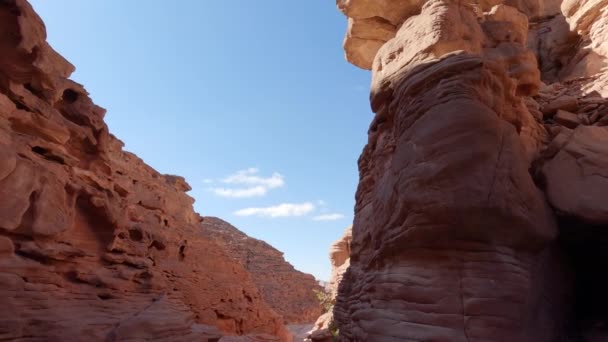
<point x="339" y="257"/>
<point x="288" y="291"/>
<point x="94" y="243"/>
<point x="371" y="23"/>
<point x="482" y="192"/>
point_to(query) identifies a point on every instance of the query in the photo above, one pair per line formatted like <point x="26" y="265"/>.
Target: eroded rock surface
<point x="288" y="291"/>
<point x="483" y="179"/>
<point x="93" y="242"/>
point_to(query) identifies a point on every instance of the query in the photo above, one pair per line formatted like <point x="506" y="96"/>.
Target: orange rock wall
<point x="94" y="242"/>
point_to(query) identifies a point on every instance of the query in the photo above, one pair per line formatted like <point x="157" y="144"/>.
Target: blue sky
<point x="251" y="101"/>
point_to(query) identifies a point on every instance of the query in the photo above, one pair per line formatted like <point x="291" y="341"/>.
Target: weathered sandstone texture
<point x="288" y="291"/>
<point x="339" y="256"/>
<point x="94" y="244"/>
<point x="482" y="206"/>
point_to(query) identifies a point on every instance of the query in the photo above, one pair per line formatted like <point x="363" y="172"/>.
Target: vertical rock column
<point x="449" y="226"/>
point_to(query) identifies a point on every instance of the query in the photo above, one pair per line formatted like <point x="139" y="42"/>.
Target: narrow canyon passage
<point x="481" y="212"/>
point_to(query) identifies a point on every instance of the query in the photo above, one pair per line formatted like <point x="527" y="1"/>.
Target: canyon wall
<point x="483" y="185"/>
<point x="288" y="291"/>
<point x="93" y="242"/>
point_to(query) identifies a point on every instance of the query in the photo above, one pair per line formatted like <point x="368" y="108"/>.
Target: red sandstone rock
<point x="577" y="176"/>
<point x="94" y="243"/>
<point x="453" y="239"/>
<point x="567" y="119"/>
<point x="288" y="291"/>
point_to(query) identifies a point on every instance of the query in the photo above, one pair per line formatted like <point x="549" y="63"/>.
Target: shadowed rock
<point x="453" y="236"/>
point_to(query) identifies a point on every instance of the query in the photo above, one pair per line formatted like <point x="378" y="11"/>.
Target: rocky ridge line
<point x="288" y="291"/>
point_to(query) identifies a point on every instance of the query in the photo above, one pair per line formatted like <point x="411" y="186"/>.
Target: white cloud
<point x="281" y="210"/>
<point x="249" y="177"/>
<point x="321" y="202"/>
<point x="207" y="181"/>
<point x="252" y="184"/>
<point x="328" y="217"/>
<point x="241" y="193"/>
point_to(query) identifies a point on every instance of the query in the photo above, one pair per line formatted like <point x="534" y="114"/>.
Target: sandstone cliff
<point x="93" y="242"/>
<point x="483" y="186"/>
<point x="288" y="291"/>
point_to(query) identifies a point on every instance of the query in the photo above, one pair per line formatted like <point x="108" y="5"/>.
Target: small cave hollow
<point x="158" y="245"/>
<point x="135" y="235"/>
<point x="70" y="96"/>
<point x="105" y="296"/>
<point x="93" y="227"/>
<point x="182" y="252"/>
<point x="30" y="87"/>
<point x="247" y="297"/>
<point x="48" y="155"/>
<point x="586" y="247"/>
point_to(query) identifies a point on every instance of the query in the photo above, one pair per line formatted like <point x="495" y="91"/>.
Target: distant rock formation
<point x="94" y="243"/>
<point x="339" y="256"/>
<point x="288" y="291"/>
<point x="483" y="192"/>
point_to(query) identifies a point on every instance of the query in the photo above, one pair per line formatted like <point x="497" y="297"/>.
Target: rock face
<point x="339" y="256"/>
<point x="288" y="291"/>
<point x="482" y="195"/>
<point x="93" y="242"/>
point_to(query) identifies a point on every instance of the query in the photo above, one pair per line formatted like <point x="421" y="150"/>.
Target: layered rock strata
<point x="93" y="242"/>
<point x="481" y="194"/>
<point x="288" y="291"/>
